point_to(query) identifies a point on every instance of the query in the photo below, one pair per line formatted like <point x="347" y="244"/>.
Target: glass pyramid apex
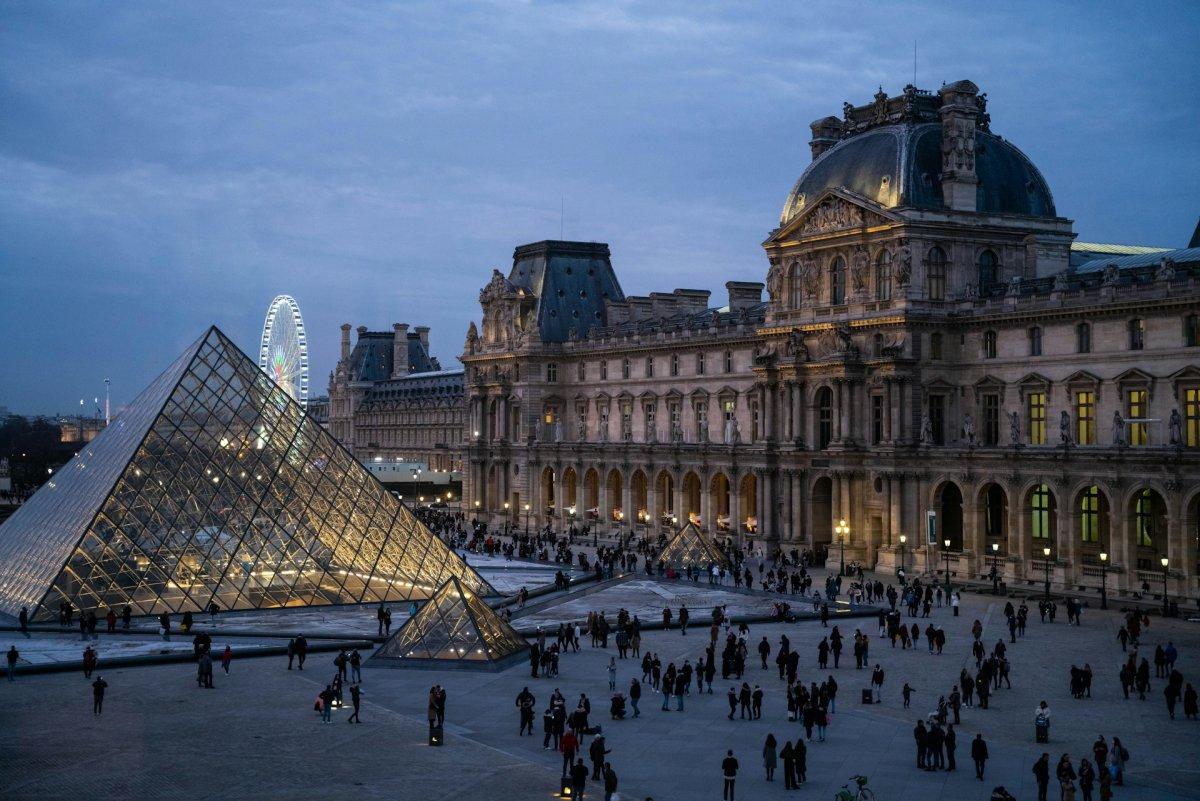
<point x="692" y="548"/>
<point x="214" y="486"/>
<point x="455" y="628"/>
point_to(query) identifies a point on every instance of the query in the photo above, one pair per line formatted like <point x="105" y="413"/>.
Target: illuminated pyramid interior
<point x="691" y="548"/>
<point x="454" y="629"/>
<point x="214" y="485"/>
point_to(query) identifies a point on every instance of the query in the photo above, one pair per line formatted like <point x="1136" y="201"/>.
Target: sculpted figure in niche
<point x="1118" y="429"/>
<point x="1064" y="428"/>
<point x="968" y="428"/>
<point x="775" y="279"/>
<point x="926" y="430"/>
<point x="810" y="278"/>
<point x="903" y="270"/>
<point x="581" y="431"/>
<point x="796" y="347"/>
<point x="858" y="271"/>
<point x="1014" y="428"/>
<point x="1175" y="428"/>
<point x="558" y="431"/>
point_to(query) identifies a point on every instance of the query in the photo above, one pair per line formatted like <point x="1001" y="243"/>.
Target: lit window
<point x="1191" y="417"/>
<point x="1144" y="518"/>
<point x="1039" y="508"/>
<point x="1085" y="418"/>
<point x="1037" y="418"/>
<point x="1135" y="409"/>
<point x="1089" y="515"/>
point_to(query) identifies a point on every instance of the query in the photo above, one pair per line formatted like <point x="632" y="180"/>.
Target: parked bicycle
<point x="860" y="792"/>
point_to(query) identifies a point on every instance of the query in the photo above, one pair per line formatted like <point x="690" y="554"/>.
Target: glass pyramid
<point x="691" y="548"/>
<point x="455" y="628"/>
<point x="214" y="485"/>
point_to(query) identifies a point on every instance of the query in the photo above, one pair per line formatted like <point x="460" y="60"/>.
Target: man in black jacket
<point x="729" y="769"/>
<point x="979" y="753"/>
<point x="1041" y="772"/>
<point x="579" y="775"/>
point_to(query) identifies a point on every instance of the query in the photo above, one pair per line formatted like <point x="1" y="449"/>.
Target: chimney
<point x="691" y="301"/>
<point x="400" y="350"/>
<point x="345" y="341"/>
<point x="826" y="132"/>
<point x="423" y="335"/>
<point x="743" y="294"/>
<point x="959" y="113"/>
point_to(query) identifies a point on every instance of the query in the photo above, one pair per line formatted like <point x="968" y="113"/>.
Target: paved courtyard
<point x="161" y="737"/>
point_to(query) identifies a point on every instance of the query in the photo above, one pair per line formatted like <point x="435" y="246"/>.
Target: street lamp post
<point x="903" y="539"/>
<point x="995" y="568"/>
<point x="946" y="554"/>
<point x="526" y="520"/>
<point x="506" y="517"/>
<point x="1165" y="564"/>
<point x="842" y="530"/>
<point x="1103" y="580"/>
<point x="1046" y="563"/>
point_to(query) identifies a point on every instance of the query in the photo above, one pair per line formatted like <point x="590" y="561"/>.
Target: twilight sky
<point x="164" y="166"/>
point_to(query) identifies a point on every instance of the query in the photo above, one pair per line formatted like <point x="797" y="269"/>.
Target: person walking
<point x="635" y="695"/>
<point x="355" y="701"/>
<point x="89" y="661"/>
<point x="226" y="658"/>
<point x="13" y="655"/>
<point x="356" y="666"/>
<point x="979" y="754"/>
<point x="1117" y="757"/>
<point x="769" y="756"/>
<point x="1041" y="773"/>
<point x="729" y="769"/>
<point x="1066" y="776"/>
<point x="98" y="688"/>
<point x="788" y="755"/>
<point x="950" y="742"/>
<point x="612" y="674"/>
<point x="579" y="776"/>
<point x="610" y="782"/>
<point x="327" y="695"/>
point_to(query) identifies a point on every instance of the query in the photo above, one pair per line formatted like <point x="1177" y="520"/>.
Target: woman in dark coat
<point x="788" y="755"/>
<point x="769" y="756"/>
<point x="800" y="754"/>
<point x="1190" y="705"/>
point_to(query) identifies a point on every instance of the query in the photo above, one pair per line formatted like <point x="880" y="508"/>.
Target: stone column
<point x="735" y="508"/>
<point x="769" y="525"/>
<point x="706" y="506"/>
<point x="652" y="509"/>
<point x="768" y="393"/>
<point x="887" y="410"/>
<point x="837" y="410"/>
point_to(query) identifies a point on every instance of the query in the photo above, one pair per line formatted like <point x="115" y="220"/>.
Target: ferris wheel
<point x="284" y="352"/>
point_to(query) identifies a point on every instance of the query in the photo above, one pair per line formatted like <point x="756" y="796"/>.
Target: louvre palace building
<point x="937" y="374"/>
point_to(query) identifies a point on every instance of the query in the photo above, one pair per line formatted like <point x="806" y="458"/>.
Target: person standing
<point x="1066" y="776"/>
<point x="877" y="683"/>
<point x="579" y="776"/>
<point x="12" y="657"/>
<point x="1117" y="757"/>
<point x="23" y="620"/>
<point x="788" y="755"/>
<point x="569" y="744"/>
<point x="979" y="754"/>
<point x="1087" y="779"/>
<point x="729" y="769"/>
<point x="950" y="741"/>
<point x="356" y="666"/>
<point x="355" y="700"/>
<point x="610" y="782"/>
<point x="301" y="650"/>
<point x="226" y="658"/>
<point x="98" y="688"/>
<point x="89" y="661"/>
<point x="769" y="757"/>
<point x="1041" y="773"/>
<point x="291" y="652"/>
<point x="635" y="695"/>
<point x="612" y="674"/>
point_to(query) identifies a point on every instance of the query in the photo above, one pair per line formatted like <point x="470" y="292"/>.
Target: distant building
<point x="79" y="429"/>
<point x="390" y="399"/>
<point x="318" y="409"/>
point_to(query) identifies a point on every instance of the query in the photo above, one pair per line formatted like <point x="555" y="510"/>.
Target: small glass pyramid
<point x="455" y="628"/>
<point x="215" y="486"/>
<point x="691" y="548"/>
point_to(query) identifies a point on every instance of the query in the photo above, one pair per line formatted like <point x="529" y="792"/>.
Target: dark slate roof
<point x="909" y="156"/>
<point x="371" y="359"/>
<point x="571" y="282"/>
<point x="443" y="385"/>
<point x="1180" y="257"/>
<point x="693" y="321"/>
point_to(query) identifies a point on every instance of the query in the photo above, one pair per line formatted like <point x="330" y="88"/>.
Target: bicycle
<point x="860" y="793"/>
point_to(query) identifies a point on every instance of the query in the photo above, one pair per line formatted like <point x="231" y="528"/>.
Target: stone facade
<point x="928" y="364"/>
<point x="388" y="398"/>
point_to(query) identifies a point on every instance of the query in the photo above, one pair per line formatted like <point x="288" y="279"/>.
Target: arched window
<point x="988" y="271"/>
<point x="1144" y="518"/>
<point x="837" y="281"/>
<point x="883" y="276"/>
<point x="824" y="417"/>
<point x="1040" y="509"/>
<point x="1089" y="514"/>
<point x="795" y="286"/>
<point x="1083" y="338"/>
<point x="935" y="281"/>
<point x="989" y="344"/>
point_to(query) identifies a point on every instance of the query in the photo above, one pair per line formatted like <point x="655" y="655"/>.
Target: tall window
<point x="991" y="419"/>
<point x="699" y="364"/>
<point x="701" y="422"/>
<point x="935" y="283"/>
<point x="993" y="513"/>
<point x="937" y="418"/>
<point x="796" y="286"/>
<point x="581" y="371"/>
<point x="876" y="419"/>
<point x="1191" y="330"/>
<point x="1135" y="409"/>
<point x="1143" y="518"/>
<point x="650" y="410"/>
<point x="837" y="281"/>
<point x="728" y="412"/>
<point x="1039" y="508"/>
<point x="625" y="369"/>
<point x="1089" y="515"/>
<point x="988" y="273"/>
<point x="627" y="420"/>
<point x="755" y="422"/>
<point x="727" y="362"/>
<point x="649" y="367"/>
<point x="1191" y="417"/>
<point x="1037" y="418"/>
<point x="877" y="345"/>
<point x="674" y="364"/>
<point x="935" y="346"/>
<point x="1035" y="341"/>
<point x="1085" y="418"/>
<point x="1137" y="333"/>
<point x="1083" y="338"/>
<point x="883" y="276"/>
<point x="675" y="411"/>
<point x="824" y="417"/>
<point x="552" y="372"/>
<point x="603" y="370"/>
<point x="989" y="344"/>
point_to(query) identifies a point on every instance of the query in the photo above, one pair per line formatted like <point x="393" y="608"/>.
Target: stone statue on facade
<point x="676" y="433"/>
<point x="1060" y="282"/>
<point x="1111" y="275"/>
<point x="472" y="343"/>
<point x="926" y="430"/>
<point x="1118" y="429"/>
<point x="1175" y="428"/>
<point x="775" y="281"/>
<point x="581" y="431"/>
<point x="1014" y="428"/>
<point x="796" y="347"/>
<point x="858" y="272"/>
<point x="968" y="429"/>
<point x="903" y="273"/>
<point x="558" y="431"/>
<point x="1064" y="428"/>
<point x="1166" y="269"/>
<point x="810" y="278"/>
<point x="732" y="435"/>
